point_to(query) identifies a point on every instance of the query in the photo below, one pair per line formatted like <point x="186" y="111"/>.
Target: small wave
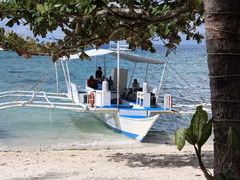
<point x="6" y="135"/>
<point x="15" y="71"/>
<point x="30" y="81"/>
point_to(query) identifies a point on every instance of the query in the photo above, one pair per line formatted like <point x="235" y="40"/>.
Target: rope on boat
<point x="37" y="94"/>
<point x="188" y="109"/>
<point x="59" y="135"/>
<point x="36" y="87"/>
<point x="47" y="99"/>
<point x="184" y="80"/>
<point x="31" y="99"/>
<point x="186" y="90"/>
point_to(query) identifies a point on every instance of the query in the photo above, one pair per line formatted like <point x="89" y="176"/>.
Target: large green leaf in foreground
<point x="180" y="138"/>
<point x="199" y="131"/>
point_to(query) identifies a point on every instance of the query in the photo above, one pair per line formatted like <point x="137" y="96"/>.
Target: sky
<point x="25" y="31"/>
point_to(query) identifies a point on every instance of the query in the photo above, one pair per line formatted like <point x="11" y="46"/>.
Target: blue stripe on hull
<point x="138" y="117"/>
<point x="131" y="135"/>
<point x="130" y="107"/>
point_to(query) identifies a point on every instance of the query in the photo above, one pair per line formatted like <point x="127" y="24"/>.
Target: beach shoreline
<point x="132" y="161"/>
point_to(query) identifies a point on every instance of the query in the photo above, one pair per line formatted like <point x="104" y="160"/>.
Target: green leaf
<point x="167" y="31"/>
<point x="206" y="133"/>
<point x="46" y="6"/>
<point x="28" y="3"/>
<point x="2" y="31"/>
<point x="180" y="138"/>
<point x="40" y="8"/>
<point x="189" y="137"/>
<point x="57" y="5"/>
<point x="62" y="8"/>
<point x="198" y="4"/>
<point x="199" y="119"/>
<point x="39" y="20"/>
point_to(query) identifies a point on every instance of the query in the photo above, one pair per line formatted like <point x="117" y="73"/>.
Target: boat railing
<point x="40" y="99"/>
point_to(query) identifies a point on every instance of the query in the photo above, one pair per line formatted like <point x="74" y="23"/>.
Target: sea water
<point x="186" y="78"/>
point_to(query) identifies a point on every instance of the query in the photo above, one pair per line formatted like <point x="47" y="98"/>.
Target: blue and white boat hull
<point x="135" y="127"/>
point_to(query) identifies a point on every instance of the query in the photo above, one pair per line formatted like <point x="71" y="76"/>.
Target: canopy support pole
<point x="105" y="68"/>
<point x="161" y="81"/>
<point x="146" y="73"/>
<point x="96" y="62"/>
<point x="68" y="74"/>
<point x="56" y="71"/>
<point x="64" y="72"/>
<point x="129" y="84"/>
<point x="69" y="80"/>
<point x="118" y="72"/>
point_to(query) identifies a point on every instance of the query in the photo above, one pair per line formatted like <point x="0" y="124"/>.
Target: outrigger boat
<point x="112" y="106"/>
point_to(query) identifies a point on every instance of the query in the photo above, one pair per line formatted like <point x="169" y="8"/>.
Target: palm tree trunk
<point x="222" y="19"/>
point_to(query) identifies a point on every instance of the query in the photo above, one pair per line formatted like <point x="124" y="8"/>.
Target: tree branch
<point x="170" y="15"/>
<point x="142" y="15"/>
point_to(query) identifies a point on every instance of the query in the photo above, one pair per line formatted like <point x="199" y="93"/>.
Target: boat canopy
<point x="138" y="59"/>
<point x="90" y="53"/>
<point x="124" y="56"/>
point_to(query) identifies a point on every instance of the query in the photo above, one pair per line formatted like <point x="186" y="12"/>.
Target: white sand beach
<point x="135" y="161"/>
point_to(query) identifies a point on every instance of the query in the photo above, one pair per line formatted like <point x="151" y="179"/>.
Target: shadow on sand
<point x="162" y="160"/>
<point x="48" y="175"/>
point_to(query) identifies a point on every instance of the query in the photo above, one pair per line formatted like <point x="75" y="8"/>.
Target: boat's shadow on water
<point x="4" y="134"/>
<point x="159" y="137"/>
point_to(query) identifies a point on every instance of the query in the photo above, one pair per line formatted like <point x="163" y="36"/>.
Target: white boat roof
<point x="138" y="59"/>
<point x="125" y="56"/>
<point x="90" y="53"/>
<point x="1" y="49"/>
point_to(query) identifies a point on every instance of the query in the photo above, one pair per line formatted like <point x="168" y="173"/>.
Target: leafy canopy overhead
<point x="96" y="22"/>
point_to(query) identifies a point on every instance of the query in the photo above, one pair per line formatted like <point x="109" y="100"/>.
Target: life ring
<point x="91" y="99"/>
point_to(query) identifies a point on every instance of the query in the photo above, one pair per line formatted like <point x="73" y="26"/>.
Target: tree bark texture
<point x="222" y="19"/>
